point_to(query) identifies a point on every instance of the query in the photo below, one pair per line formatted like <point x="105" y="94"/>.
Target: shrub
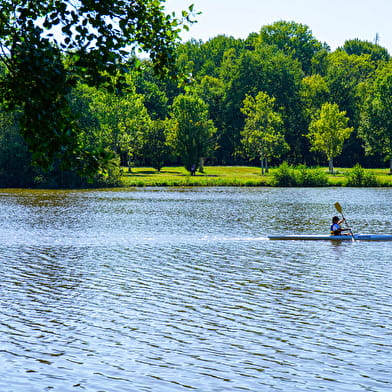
<point x="284" y="176"/>
<point x="359" y="177"/>
<point x="311" y="176"/>
<point x="301" y="175"/>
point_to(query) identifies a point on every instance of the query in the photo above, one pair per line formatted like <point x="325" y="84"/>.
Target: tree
<point x="314" y="93"/>
<point x="204" y="58"/>
<point x="376" y="116"/>
<point x="215" y="49"/>
<point x="328" y="132"/>
<point x="270" y="70"/>
<point x="155" y="100"/>
<point x="192" y="137"/>
<point x="359" y="47"/>
<point x="294" y="39"/>
<point x="262" y="134"/>
<point x="15" y="160"/>
<point x="211" y="91"/>
<point x="345" y="77"/>
<point x="345" y="73"/>
<point x="98" y="38"/>
<point x="123" y="120"/>
<point x="155" y="147"/>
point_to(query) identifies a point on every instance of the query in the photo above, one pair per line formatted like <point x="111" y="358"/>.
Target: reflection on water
<point x="178" y="290"/>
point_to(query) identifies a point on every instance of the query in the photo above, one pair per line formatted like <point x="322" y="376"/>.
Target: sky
<point x="331" y="21"/>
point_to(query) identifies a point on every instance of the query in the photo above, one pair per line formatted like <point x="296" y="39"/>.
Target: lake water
<point x="179" y="290"/>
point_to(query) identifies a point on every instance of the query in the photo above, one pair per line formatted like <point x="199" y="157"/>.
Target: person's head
<point x="335" y="219"/>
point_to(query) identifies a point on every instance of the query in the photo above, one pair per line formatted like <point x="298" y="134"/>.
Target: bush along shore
<point x="283" y="176"/>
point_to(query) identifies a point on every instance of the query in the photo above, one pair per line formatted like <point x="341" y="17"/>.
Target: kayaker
<point x="336" y="229"/>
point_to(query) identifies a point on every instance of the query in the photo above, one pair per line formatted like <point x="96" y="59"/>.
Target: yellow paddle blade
<point x="338" y="207"/>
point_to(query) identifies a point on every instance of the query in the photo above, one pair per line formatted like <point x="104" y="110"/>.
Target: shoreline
<point x="231" y="176"/>
<point x="226" y="176"/>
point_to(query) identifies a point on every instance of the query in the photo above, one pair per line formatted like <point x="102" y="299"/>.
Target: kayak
<point x="316" y="237"/>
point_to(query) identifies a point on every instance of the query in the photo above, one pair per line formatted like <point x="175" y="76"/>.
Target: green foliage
<point x="17" y="170"/>
<point x="328" y="132"/>
<point x="15" y="160"/>
<point x="206" y="58"/>
<point x="376" y="117"/>
<point x="359" y="177"/>
<point x="81" y="100"/>
<point x="211" y="91"/>
<point x="314" y="93"/>
<point x="58" y="178"/>
<point x="284" y="175"/>
<point x="264" y="69"/>
<point x="155" y="147"/>
<point x="359" y="47"/>
<point x="262" y="134"/>
<point x="345" y="75"/>
<point x="311" y="176"/>
<point x="98" y="38"/>
<point x="294" y="39"/>
<point x="192" y="137"/>
<point x="301" y="176"/>
<point x="37" y="84"/>
<point x="123" y="120"/>
<point x="100" y="35"/>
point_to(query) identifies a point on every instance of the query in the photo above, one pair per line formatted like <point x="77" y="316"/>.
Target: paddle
<point x="340" y="210"/>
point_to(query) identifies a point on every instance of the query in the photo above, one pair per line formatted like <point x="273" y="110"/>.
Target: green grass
<point x="226" y="176"/>
<point x="212" y="176"/>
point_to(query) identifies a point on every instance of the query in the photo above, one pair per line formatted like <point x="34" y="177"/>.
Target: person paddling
<point x="336" y="229"/>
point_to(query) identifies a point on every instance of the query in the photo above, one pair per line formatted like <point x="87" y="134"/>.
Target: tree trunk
<point x="390" y="166"/>
<point x="266" y="165"/>
<point x="331" y="165"/>
<point x="201" y="165"/>
<point x="262" y="161"/>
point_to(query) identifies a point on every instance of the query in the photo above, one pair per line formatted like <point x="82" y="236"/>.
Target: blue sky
<point x="331" y="21"/>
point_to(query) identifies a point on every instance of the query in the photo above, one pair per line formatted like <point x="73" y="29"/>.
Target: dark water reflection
<point x="178" y="290"/>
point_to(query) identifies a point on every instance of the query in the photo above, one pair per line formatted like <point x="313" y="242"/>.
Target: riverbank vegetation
<point x="284" y="175"/>
<point x="81" y="111"/>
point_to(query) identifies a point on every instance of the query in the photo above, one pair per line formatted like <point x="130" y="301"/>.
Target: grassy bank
<point x="229" y="176"/>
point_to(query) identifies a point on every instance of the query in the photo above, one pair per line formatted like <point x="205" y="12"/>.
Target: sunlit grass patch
<point x="230" y="176"/>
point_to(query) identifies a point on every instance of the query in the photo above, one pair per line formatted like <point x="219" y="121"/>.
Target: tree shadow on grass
<point x="143" y="173"/>
<point x="151" y="172"/>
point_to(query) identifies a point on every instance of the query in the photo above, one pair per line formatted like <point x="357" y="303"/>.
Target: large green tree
<point x="345" y="76"/>
<point x="123" y="119"/>
<point x="314" y="93"/>
<point x="359" y="47"/>
<point x="204" y="58"/>
<point x="211" y="91"/>
<point x="270" y="70"/>
<point x="376" y="116"/>
<point x="156" y="149"/>
<point x="328" y="132"/>
<point x="262" y="136"/>
<point x="294" y="39"/>
<point x="193" y="135"/>
<point x="98" y="38"/>
<point x="345" y="73"/>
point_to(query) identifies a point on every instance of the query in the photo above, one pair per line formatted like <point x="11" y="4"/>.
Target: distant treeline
<point x="228" y="102"/>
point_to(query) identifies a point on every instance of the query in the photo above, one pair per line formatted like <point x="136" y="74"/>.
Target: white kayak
<point x="316" y="237"/>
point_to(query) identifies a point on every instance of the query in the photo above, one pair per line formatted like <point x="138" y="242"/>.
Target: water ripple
<point x="97" y="299"/>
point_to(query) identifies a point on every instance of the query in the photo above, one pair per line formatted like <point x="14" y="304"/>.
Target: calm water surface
<point x="179" y="290"/>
